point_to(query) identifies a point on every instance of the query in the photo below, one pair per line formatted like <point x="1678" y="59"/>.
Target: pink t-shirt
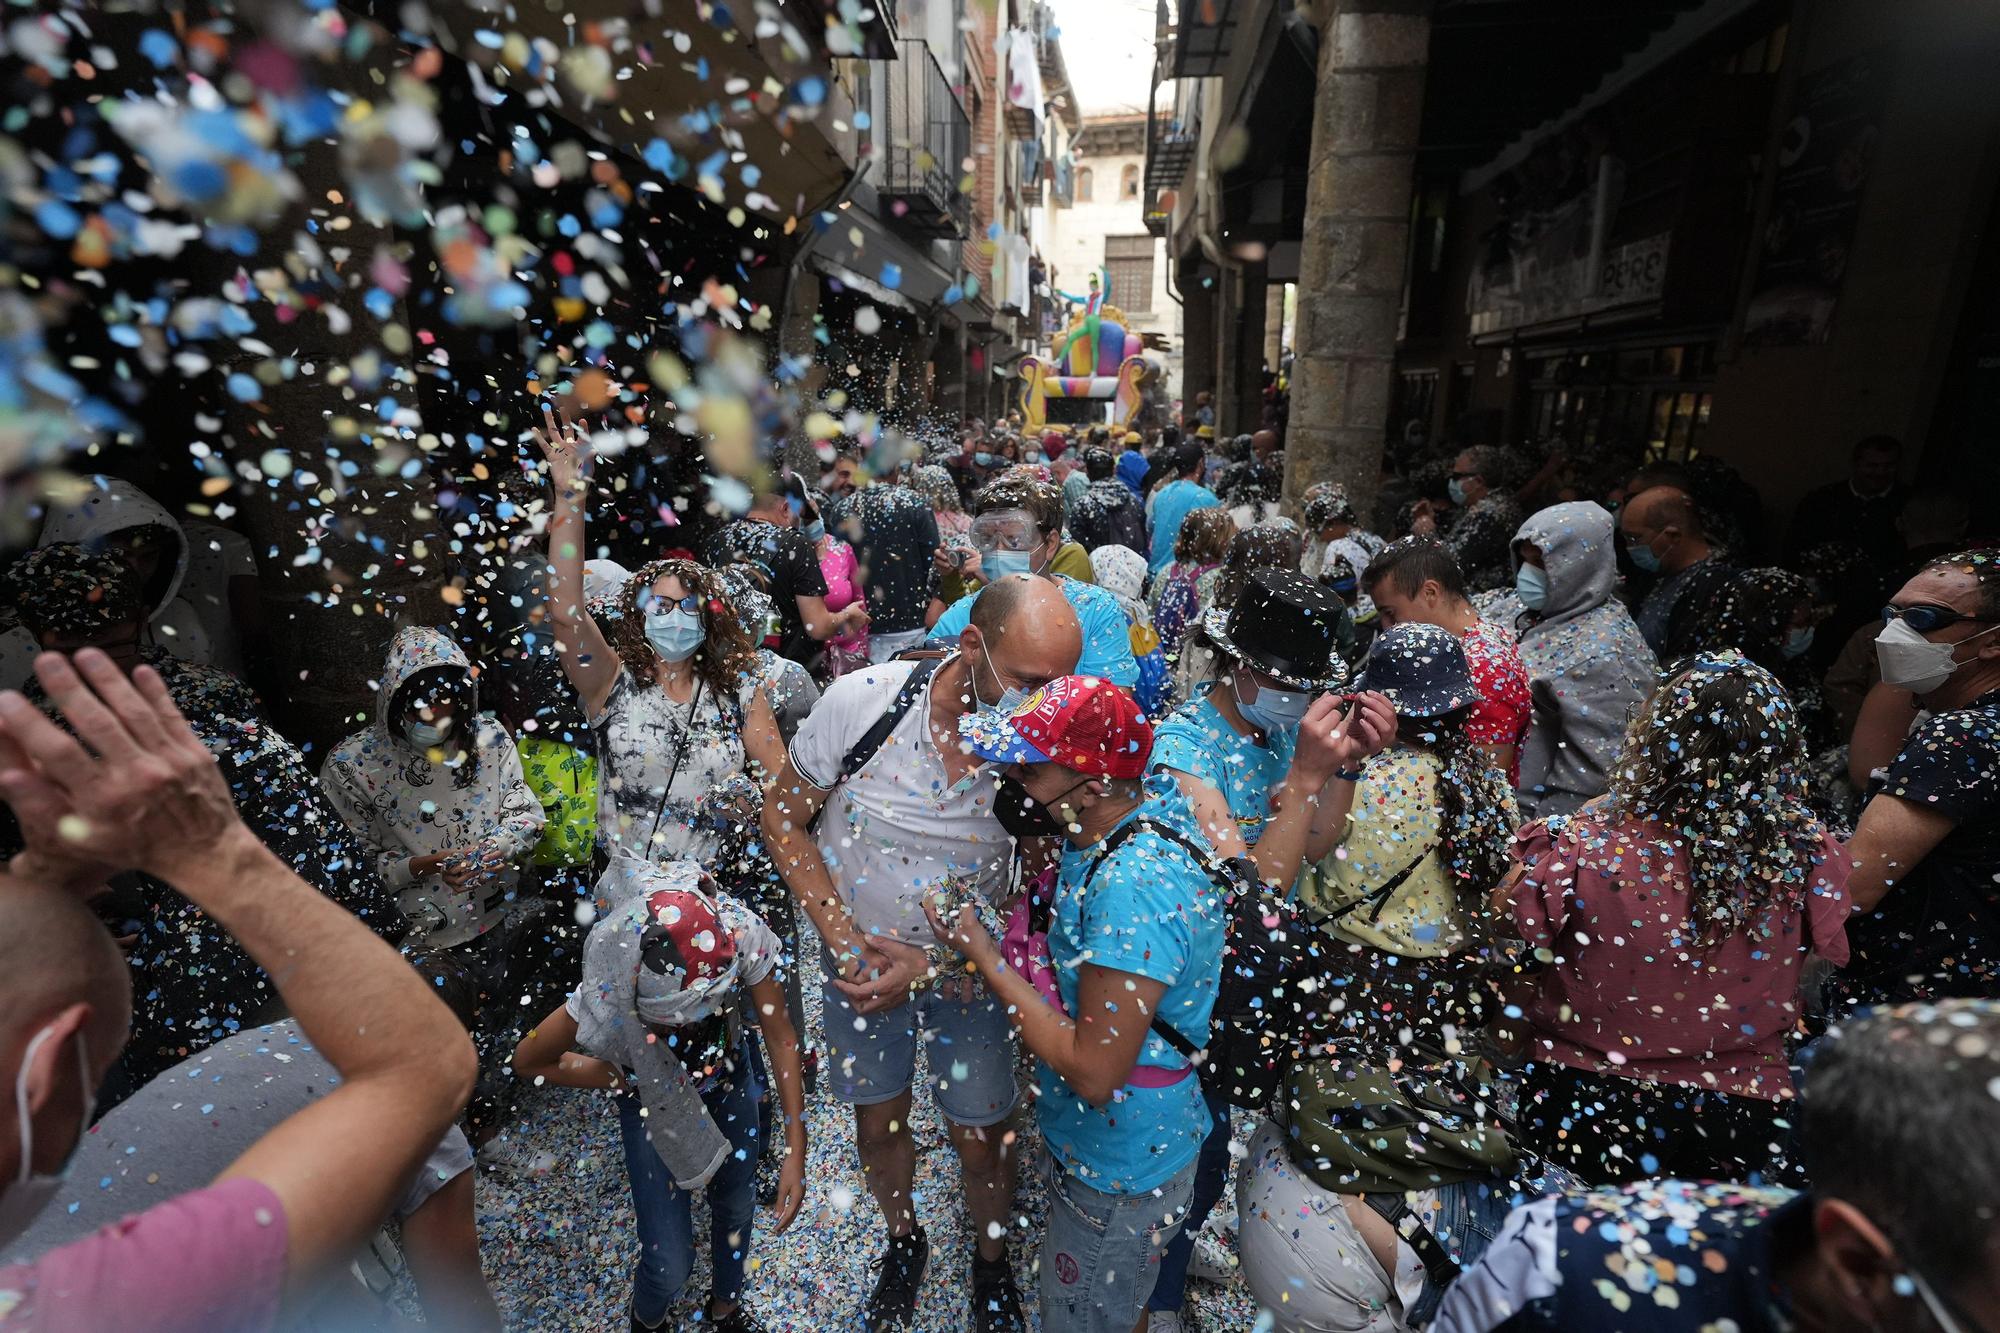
<point x="214" y="1259"/>
<point x="837" y="564"/>
<point x="1505" y="704"/>
<point x="1629" y="991"/>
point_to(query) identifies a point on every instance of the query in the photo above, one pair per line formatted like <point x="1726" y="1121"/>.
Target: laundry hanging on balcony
<point x="1024" y="71"/>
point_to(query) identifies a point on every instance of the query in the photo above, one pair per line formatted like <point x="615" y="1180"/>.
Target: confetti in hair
<point x="1716" y="759"/>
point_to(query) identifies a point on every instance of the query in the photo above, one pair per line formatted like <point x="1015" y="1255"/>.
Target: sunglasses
<point x="1923" y="617"/>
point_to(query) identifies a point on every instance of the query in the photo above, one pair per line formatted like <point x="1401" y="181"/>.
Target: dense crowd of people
<point x="1538" y="903"/>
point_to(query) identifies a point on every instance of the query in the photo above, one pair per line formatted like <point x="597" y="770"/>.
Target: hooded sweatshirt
<point x="1589" y="668"/>
<point x="107" y="507"/>
<point x="402" y="805"/>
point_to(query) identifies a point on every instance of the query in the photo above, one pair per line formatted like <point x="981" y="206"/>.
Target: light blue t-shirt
<point x="1107" y="642"/>
<point x="1171" y="505"/>
<point x="1153" y="912"/>
<point x="1197" y="740"/>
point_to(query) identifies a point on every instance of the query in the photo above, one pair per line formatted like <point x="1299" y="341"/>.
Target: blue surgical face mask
<point x="1011" y="696"/>
<point x="1799" y="641"/>
<point x="674" y="634"/>
<point x="816" y="530"/>
<point x="428" y="735"/>
<point x="1456" y="490"/>
<point x="999" y="564"/>
<point x="1273" y="710"/>
<point x="1531" y="585"/>
<point x="983" y="458"/>
<point x="1644" y="557"/>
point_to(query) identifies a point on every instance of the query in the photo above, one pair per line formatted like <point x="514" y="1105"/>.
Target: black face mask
<point x="1025" y="817"/>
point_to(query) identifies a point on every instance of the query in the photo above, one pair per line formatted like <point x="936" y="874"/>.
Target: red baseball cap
<point x="1080" y="722"/>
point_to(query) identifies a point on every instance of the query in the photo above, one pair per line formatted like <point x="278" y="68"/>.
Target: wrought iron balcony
<point x="929" y="137"/>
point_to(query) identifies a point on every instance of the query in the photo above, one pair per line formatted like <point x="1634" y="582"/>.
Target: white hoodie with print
<point x="403" y="805"/>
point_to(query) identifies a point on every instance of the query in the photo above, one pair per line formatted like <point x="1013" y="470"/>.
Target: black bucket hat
<point x="1283" y="624"/>
<point x="1421" y="668"/>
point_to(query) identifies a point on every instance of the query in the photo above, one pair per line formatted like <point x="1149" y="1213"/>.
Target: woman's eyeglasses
<point x="690" y="604"/>
<point x="1923" y="617"/>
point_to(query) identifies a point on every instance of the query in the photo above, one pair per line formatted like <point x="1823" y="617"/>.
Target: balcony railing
<point x="1170" y="152"/>
<point x="929" y="138"/>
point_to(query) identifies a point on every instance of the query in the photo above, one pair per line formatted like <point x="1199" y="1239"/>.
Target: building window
<point x="1083" y="185"/>
<point x="1128" y="183"/>
<point x="1129" y="260"/>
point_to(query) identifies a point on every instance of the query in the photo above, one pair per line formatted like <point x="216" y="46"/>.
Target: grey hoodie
<point x="104" y="507"/>
<point x="1588" y="666"/>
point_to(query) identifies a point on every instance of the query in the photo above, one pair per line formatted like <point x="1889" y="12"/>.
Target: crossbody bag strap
<point x="1379" y="897"/>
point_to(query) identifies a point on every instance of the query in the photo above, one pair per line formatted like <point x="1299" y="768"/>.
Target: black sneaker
<point x="893" y="1303"/>
<point x="739" y="1320"/>
<point x="996" y="1301"/>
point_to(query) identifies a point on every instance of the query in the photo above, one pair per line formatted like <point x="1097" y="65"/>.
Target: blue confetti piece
<point x="58" y="219"/>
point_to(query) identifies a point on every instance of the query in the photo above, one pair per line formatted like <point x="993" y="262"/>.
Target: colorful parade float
<point x="1094" y="362"/>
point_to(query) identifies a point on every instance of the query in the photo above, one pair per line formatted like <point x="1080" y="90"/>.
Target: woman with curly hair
<point x="674" y="691"/>
<point x="1674" y="916"/>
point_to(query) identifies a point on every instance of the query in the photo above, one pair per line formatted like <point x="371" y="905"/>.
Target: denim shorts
<point x="872" y="1058"/>
<point x="1101" y="1252"/>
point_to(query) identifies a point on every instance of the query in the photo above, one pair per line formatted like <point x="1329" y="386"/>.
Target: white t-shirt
<point x="899" y="829"/>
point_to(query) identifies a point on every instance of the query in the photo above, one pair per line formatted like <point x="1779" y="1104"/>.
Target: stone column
<point x="1367" y="114"/>
<point x="1241" y="352"/>
<point x="1198" y="302"/>
<point x="1274" y="324"/>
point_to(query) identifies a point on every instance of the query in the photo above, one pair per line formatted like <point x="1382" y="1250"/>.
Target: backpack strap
<point x="1380" y="896"/>
<point x="1394" y="1209"/>
<point x="1223" y="878"/>
<point x="863" y="750"/>
<point x="872" y="739"/>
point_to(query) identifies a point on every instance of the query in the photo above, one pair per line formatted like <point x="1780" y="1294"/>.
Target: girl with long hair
<point x="1676" y="913"/>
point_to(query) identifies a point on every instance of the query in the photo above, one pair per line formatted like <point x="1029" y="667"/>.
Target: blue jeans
<point x="664" y="1210"/>
<point x="1101" y="1253"/>
<point x="1211" y="1173"/>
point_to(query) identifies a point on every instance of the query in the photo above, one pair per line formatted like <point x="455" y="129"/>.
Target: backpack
<point x="1272" y="957"/>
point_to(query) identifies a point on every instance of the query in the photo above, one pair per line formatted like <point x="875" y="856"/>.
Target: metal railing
<point x="929" y="137"/>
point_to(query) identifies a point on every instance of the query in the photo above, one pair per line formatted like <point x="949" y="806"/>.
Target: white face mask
<point x="1911" y="662"/>
<point x="30" y="1193"/>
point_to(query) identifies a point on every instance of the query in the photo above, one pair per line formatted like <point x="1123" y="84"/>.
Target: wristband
<point x="1348" y="774"/>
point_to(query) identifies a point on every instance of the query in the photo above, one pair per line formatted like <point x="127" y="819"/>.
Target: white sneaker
<point x="1170" y="1321"/>
<point x="1211" y="1260"/>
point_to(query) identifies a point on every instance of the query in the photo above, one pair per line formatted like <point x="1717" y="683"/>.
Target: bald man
<point x="133" y="788"/>
<point x="908" y="815"/>
<point x="1664" y="537"/>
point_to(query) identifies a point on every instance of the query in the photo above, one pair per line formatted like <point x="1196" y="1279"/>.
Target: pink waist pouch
<point x="1026" y="950"/>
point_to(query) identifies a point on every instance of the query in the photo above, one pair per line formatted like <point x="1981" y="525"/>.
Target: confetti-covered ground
<point x="557" y="1239"/>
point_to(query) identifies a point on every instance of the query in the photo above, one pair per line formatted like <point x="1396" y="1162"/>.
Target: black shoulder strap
<point x="1395" y="1209"/>
<point x="1203" y="857"/>
<point x="871" y="740"/>
<point x="1380" y="896"/>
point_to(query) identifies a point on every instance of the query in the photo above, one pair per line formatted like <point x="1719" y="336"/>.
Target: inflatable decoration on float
<point x="1095" y="343"/>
